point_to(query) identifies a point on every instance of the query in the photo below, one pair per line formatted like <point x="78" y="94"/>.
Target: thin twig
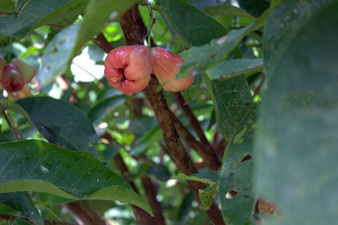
<point x="16" y="126"/>
<point x="3" y="113"/>
<point x="258" y="89"/>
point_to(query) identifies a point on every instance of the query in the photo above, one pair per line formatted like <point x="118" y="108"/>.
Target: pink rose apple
<point x="128" y="68"/>
<point x="166" y="67"/>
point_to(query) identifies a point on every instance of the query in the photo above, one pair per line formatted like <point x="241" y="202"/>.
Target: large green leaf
<point x="61" y="123"/>
<point x="38" y="13"/>
<point x="237" y="175"/>
<point x="297" y="138"/>
<point x="22" y="203"/>
<point x="189" y="23"/>
<point x="232" y="100"/>
<point x="38" y="166"/>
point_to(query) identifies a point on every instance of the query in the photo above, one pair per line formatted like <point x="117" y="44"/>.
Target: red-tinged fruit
<point x="26" y="70"/>
<point x="166" y="66"/>
<point x="128" y="68"/>
<point x="11" y="80"/>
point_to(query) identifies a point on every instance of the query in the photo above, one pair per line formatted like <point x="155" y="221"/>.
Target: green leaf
<point x="61" y="123"/>
<point x="227" y="10"/>
<point x="8" y="105"/>
<point x="297" y="137"/>
<point x="97" y="14"/>
<point x="234" y="67"/>
<point x="3" y="138"/>
<point x="22" y="203"/>
<point x="210" y="177"/>
<point x="38" y="13"/>
<point x="232" y="100"/>
<point x="237" y="174"/>
<point x="38" y="166"/>
<point x="193" y="26"/>
<point x="203" y="57"/>
<point x="100" y="110"/>
<point x="279" y="32"/>
<point x="58" y="55"/>
<point x="206" y="196"/>
<point x="255" y="8"/>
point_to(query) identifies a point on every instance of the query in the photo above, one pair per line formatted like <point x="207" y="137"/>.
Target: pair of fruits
<point x="15" y="75"/>
<point x="128" y="69"/>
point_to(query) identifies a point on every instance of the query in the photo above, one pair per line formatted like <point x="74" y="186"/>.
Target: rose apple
<point x="166" y="65"/>
<point x="128" y="68"/>
<point x="11" y="80"/>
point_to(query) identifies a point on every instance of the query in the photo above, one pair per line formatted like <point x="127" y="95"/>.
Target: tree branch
<point x="210" y="160"/>
<point x="46" y="222"/>
<point x="134" y="31"/>
<point x="85" y="213"/>
<point x="197" y="127"/>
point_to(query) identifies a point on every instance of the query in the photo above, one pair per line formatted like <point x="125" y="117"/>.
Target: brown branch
<point x="134" y="31"/>
<point x="85" y="213"/>
<point x="46" y="222"/>
<point x="5" y="13"/>
<point x="209" y="159"/>
<point x="14" y="132"/>
<point x="154" y="204"/>
<point x="197" y="127"/>
<point x="102" y="42"/>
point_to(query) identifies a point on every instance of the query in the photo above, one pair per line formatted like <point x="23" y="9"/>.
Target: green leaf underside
<point x="61" y="123"/>
<point x="297" y="138"/>
<point x="38" y="13"/>
<point x="234" y="67"/>
<point x="192" y="25"/>
<point x="210" y="177"/>
<point x="42" y="167"/>
<point x="237" y="175"/>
